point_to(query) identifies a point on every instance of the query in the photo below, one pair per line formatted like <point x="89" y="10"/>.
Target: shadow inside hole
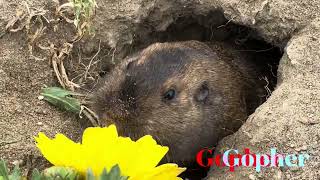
<point x="214" y="28"/>
<point x="211" y="28"/>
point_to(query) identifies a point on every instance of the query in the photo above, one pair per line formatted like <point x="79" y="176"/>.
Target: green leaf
<point x="104" y="174"/>
<point x="89" y="175"/>
<point x="4" y="174"/>
<point x="124" y="178"/>
<point x="114" y="174"/>
<point x="16" y="174"/>
<point x="62" y="98"/>
<point x="65" y="173"/>
<point x="36" y="175"/>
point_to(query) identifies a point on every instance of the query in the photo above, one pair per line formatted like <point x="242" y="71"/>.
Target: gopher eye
<point x="169" y="95"/>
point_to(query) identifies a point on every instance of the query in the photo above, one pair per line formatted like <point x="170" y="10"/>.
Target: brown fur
<point x="132" y="96"/>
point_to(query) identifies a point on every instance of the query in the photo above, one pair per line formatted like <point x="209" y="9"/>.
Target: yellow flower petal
<point x="103" y="148"/>
<point x="53" y="152"/>
<point x="165" y="171"/>
<point x="144" y="156"/>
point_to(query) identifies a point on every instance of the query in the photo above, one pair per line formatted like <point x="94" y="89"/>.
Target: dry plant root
<point x="34" y="22"/>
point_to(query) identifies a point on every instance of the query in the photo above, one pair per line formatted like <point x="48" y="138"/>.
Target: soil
<point x="22" y="114"/>
<point x="289" y="120"/>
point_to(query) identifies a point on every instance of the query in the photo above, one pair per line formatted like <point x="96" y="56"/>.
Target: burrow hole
<point x="211" y="28"/>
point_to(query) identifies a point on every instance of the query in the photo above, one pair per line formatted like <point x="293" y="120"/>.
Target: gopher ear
<point x="202" y="93"/>
<point x="129" y="61"/>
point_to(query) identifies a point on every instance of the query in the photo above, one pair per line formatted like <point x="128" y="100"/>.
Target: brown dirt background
<point x="289" y="120"/>
<point x="22" y="76"/>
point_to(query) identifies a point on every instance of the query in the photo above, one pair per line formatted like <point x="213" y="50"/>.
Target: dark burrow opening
<point x="215" y="28"/>
<point x="211" y="28"/>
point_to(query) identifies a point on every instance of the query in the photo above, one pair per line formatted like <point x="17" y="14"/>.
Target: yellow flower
<point x="103" y="148"/>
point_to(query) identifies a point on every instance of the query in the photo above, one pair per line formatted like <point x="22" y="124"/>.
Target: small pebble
<point x="252" y="177"/>
<point x="302" y="148"/>
<point x="288" y="176"/>
<point x="292" y="145"/>
<point x="17" y="162"/>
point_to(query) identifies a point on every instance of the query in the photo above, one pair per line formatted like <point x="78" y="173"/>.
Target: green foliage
<point x="84" y="10"/>
<point x="36" y="175"/>
<point x="5" y="173"/>
<point x="16" y="173"/>
<point x="114" y="174"/>
<point x="62" y="98"/>
<point x="62" y="173"/>
<point x="58" y="173"/>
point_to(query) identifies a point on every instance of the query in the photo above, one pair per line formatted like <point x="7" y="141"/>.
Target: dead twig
<point x="89" y="66"/>
<point x="266" y="87"/>
<point x="2" y="34"/>
<point x="223" y="25"/>
<point x="271" y="70"/>
<point x="59" y="69"/>
<point x="4" y="143"/>
<point x="93" y="118"/>
<point x="257" y="51"/>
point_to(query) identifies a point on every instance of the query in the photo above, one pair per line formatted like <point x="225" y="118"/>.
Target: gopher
<point x="185" y="94"/>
